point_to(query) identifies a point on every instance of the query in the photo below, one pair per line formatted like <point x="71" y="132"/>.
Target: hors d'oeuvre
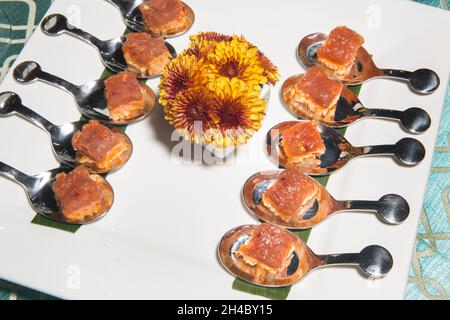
<point x="302" y="142"/>
<point x="126" y="98"/>
<point x="338" y="52"/>
<point x="269" y="249"/>
<point x="145" y="55"/>
<point x="81" y="195"/>
<point x="98" y="146"/>
<point x="291" y="195"/>
<point x="312" y="94"/>
<point x="164" y="16"/>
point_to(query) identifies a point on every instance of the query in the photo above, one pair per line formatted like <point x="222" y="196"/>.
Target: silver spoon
<point x="40" y="194"/>
<point x="349" y="109"/>
<point x="133" y="18"/>
<point x="90" y="97"/>
<point x="110" y="50"/>
<point x="391" y="208"/>
<point x="421" y="81"/>
<point x="61" y="136"/>
<point x="338" y="151"/>
<point x="375" y="261"/>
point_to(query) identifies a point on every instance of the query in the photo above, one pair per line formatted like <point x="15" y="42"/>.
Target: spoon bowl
<point x="349" y="109"/>
<point x="422" y="81"/>
<point x="375" y="261"/>
<point x="90" y="97"/>
<point x="391" y="208"/>
<point x="133" y="18"/>
<point x="61" y="136"/>
<point x="41" y="197"/>
<point x="338" y="151"/>
<point x="110" y="50"/>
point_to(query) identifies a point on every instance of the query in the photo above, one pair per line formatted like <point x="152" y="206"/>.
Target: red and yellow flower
<point x="211" y="93"/>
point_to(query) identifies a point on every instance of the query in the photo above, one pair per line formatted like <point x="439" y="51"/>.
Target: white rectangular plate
<point x="160" y="238"/>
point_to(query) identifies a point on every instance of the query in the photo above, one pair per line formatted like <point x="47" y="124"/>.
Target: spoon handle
<point x="364" y="205"/>
<point x="391" y="208"/>
<point x="407" y="151"/>
<point x="374" y="260"/>
<point x="422" y="81"/>
<point x="11" y="104"/>
<point x="56" y="24"/>
<point x="339" y="258"/>
<point x="385" y="149"/>
<point x="34" y="118"/>
<point x="383" y="113"/>
<point x="14" y="174"/>
<point x="83" y="35"/>
<point x="58" y="82"/>
<point x="414" y="120"/>
<point x="399" y="74"/>
<point x="29" y="71"/>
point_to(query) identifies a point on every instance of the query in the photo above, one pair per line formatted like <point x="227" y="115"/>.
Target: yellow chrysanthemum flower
<point x="237" y="112"/>
<point x="211" y="91"/>
<point x="210" y="37"/>
<point x="270" y="71"/>
<point x="205" y="42"/>
<point x="234" y="59"/>
<point x="182" y="73"/>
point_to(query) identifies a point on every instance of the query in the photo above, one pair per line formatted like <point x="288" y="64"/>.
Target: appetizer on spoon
<point x="342" y="56"/>
<point x="97" y="147"/>
<point x="271" y="256"/>
<point x="319" y="150"/>
<point x="137" y="52"/>
<point x="117" y="100"/>
<point x="291" y="199"/>
<point x="166" y="18"/>
<point x="315" y="96"/>
<point x="65" y="195"/>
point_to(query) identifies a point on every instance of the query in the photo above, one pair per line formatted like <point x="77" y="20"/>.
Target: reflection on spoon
<point x="133" y="18"/>
<point x="42" y="198"/>
<point x="391" y="208"/>
<point x="349" y="109"/>
<point x="90" y="97"/>
<point x="421" y="81"/>
<point x="338" y="151"/>
<point x="10" y="103"/>
<point x="110" y="51"/>
<point x="373" y="260"/>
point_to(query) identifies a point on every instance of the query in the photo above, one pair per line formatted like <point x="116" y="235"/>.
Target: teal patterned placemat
<point x="443" y="4"/>
<point x="429" y="276"/>
<point x="23" y="16"/>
